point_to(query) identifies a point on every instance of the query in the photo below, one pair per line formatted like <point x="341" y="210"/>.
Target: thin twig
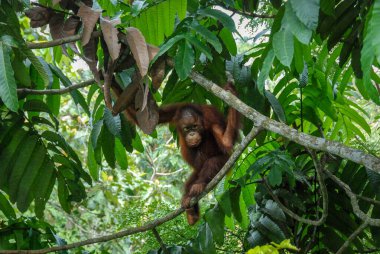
<point x="159" y="240"/>
<point x="56" y="91"/>
<point x="352" y="237"/>
<point x="64" y="40"/>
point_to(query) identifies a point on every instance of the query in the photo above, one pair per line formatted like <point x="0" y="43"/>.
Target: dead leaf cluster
<point x="121" y="50"/>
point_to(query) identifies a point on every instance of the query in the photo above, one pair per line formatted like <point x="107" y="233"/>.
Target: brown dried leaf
<point x="39" y="16"/>
<point x="69" y="5"/>
<point x="152" y="51"/>
<point x="91" y="58"/>
<point x="110" y="36"/>
<point x="138" y="46"/>
<point x="56" y="1"/>
<point x="56" y="24"/>
<point x="147" y="117"/>
<point x="70" y="28"/>
<point x="89" y="18"/>
<point x="125" y="99"/>
<point x="157" y="72"/>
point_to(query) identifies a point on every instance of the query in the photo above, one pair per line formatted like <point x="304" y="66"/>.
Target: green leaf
<point x="267" y="66"/>
<point x="63" y="194"/>
<point x="40" y="65"/>
<point x="91" y="162"/>
<point x="36" y="163"/>
<point x="298" y="56"/>
<point x="370" y="50"/>
<point x="121" y="155"/>
<point x="6" y="207"/>
<point x="283" y="46"/>
<point x="208" y="35"/>
<point x="215" y="218"/>
<point x="96" y="129"/>
<point x="235" y="197"/>
<point x="168" y="45"/>
<point x="76" y="95"/>
<point x="199" y="45"/>
<point x="54" y="101"/>
<point x="36" y="106"/>
<point x="327" y="6"/>
<point x="113" y="123"/>
<point x="307" y="11"/>
<point x="43" y="186"/>
<point x="206" y="240"/>
<point x="108" y="146"/>
<point x="8" y="155"/>
<point x="219" y="16"/>
<point x="276" y="106"/>
<point x="184" y="59"/>
<point x="293" y="24"/>
<point x="228" y="41"/>
<point x="20" y="165"/>
<point x="8" y="88"/>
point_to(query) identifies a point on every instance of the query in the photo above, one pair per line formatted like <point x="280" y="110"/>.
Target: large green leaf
<point x="371" y="49"/>
<point x="206" y="240"/>
<point x="120" y="154"/>
<point x="184" y="59"/>
<point x="228" y="40"/>
<point x="76" y="95"/>
<point x="9" y="155"/>
<point x="283" y="46"/>
<point x="108" y="146"/>
<point x="298" y="29"/>
<point x="267" y="66"/>
<point x="24" y="194"/>
<point x="307" y="11"/>
<point x="215" y="218"/>
<point x="208" y="35"/>
<point x="276" y="106"/>
<point x="20" y="166"/>
<point x="220" y="16"/>
<point x="8" y="88"/>
<point x="6" y="207"/>
<point x="157" y="22"/>
<point x="113" y="123"/>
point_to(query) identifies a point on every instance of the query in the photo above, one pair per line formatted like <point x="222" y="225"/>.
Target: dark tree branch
<point x="154" y="223"/>
<point x="68" y="89"/>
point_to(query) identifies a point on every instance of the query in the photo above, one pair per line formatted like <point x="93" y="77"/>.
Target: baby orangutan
<point x="206" y="139"/>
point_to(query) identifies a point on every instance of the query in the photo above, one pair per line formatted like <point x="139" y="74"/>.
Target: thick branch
<point x="303" y="139"/>
<point x="64" y="40"/>
<point x="154" y="223"/>
<point x="56" y="91"/>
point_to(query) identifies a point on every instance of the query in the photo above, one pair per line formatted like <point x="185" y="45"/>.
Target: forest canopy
<point x="85" y="166"/>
